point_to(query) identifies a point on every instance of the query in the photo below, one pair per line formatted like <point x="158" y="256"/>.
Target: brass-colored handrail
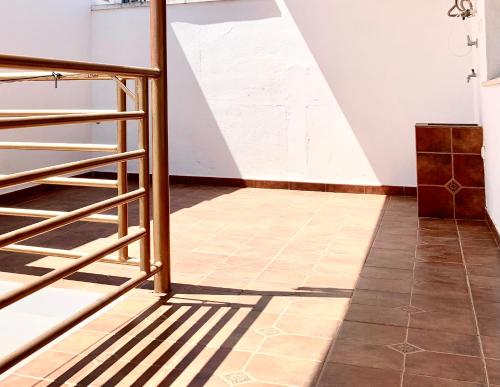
<point x="97" y="218"/>
<point x="76" y="166"/>
<point x="32" y="230"/>
<point x="64" y="119"/>
<point x="26" y="350"/>
<point x="50" y="64"/>
<point x="59" y="146"/>
<point x="54" y="69"/>
<point x="19" y="293"/>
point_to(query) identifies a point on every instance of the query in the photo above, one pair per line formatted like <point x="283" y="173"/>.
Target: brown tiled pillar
<point x="450" y="172"/>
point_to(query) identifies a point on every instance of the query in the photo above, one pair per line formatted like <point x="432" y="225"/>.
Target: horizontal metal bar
<point x="61" y="169"/>
<point x="26" y="350"/>
<point x="61" y="253"/>
<point x="59" y="146"/>
<point x="59" y="221"/>
<point x="64" y="119"/>
<point x="48" y="76"/>
<point x="48" y="252"/>
<point x="49" y="64"/>
<point x="80" y="182"/>
<point x="96" y="218"/>
<point x="48" y="112"/>
<point x="25" y="290"/>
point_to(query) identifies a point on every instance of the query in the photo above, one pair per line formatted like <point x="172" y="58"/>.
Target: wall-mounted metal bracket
<point x="472" y="43"/>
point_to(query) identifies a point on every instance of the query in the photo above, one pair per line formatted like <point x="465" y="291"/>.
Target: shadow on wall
<point x="209" y="152"/>
<point x="388" y="68"/>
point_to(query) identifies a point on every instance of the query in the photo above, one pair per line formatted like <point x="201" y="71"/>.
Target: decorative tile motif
<point x="450" y="171"/>
<point x="270" y="331"/>
<point x="237" y="378"/>
<point x="411" y="309"/>
<point x="405" y="348"/>
<point x="453" y="186"/>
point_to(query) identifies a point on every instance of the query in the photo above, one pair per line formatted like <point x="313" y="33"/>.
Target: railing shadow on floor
<point x="67" y="199"/>
<point x="210" y="310"/>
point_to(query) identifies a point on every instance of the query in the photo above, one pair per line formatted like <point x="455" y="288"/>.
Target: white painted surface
<point x="488" y="99"/>
<point x="317" y="90"/>
<point x="48" y="28"/>
<point x="37" y="313"/>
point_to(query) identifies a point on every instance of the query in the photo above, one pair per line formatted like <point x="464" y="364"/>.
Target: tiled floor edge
<point x="493" y="228"/>
<point x="296" y="185"/>
<point x="472" y="301"/>
<point x="389" y="190"/>
<point x="317" y="381"/>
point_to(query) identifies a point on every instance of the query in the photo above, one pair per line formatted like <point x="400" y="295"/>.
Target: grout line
<point x="410" y="301"/>
<point x="269" y="263"/>
<point x="453" y="194"/>
<point x="334" y="341"/>
<point x="467" y="280"/>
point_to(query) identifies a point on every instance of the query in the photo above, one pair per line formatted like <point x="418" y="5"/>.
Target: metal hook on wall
<point x="463" y="9"/>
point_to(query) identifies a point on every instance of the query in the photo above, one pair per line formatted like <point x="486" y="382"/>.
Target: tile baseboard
<point x="388" y="190"/>
<point x="296" y="185"/>
<point x="493" y="228"/>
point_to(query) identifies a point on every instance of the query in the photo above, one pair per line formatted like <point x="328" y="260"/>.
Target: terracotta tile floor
<point x="283" y="288"/>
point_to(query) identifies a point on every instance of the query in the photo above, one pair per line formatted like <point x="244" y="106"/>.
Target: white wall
<point x="317" y="90"/>
<point x="488" y="99"/>
<point x="46" y="28"/>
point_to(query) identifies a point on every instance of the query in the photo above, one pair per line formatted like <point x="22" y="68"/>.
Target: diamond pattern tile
<point x="270" y="331"/>
<point x="453" y="186"/>
<point x="237" y="378"/>
<point x="411" y="309"/>
<point x="405" y="348"/>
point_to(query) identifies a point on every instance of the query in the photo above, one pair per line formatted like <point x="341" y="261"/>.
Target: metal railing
<point x="62" y="70"/>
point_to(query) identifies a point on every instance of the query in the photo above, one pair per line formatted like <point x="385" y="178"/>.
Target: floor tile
<point x="377" y="315"/>
<point x="439" y="321"/>
<point x="445" y="366"/>
<point x="410" y="380"/>
<point x="491" y="346"/>
<point x="367" y="355"/>
<point x="310" y="348"/>
<point x="493" y="367"/>
<point x="376" y="298"/>
<point x="356" y="332"/>
<point x="342" y="375"/>
<point x="280" y="370"/>
<point x="489" y="326"/>
<point x="439" y="341"/>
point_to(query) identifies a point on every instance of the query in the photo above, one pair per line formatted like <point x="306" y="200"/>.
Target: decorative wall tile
<point x="469" y="204"/>
<point x="469" y="170"/>
<point x="434" y="168"/>
<point x="468" y="140"/>
<point x="450" y="171"/>
<point x="433" y="139"/>
<point x="435" y="202"/>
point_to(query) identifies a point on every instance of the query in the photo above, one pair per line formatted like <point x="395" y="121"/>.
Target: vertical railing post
<point x="122" y="177"/>
<point x="161" y="199"/>
<point x="142" y="93"/>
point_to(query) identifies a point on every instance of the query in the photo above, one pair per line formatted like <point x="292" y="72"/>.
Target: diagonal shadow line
<point x="228" y="345"/>
<point x="212" y="364"/>
<point x="177" y="371"/>
<point x="217" y="358"/>
<point x="89" y="358"/>
<point x="153" y="345"/>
